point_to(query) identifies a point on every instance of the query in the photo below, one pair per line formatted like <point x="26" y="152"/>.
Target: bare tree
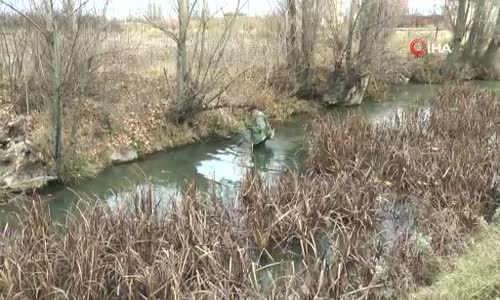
<point x="357" y="41"/>
<point x="301" y="40"/>
<point x="63" y="55"/>
<point x="334" y="29"/>
<point x="292" y="43"/>
<point x="71" y="12"/>
<point x="477" y="30"/>
<point x="310" y="22"/>
<point x="182" y="70"/>
<point x="200" y="79"/>
<point x="52" y="39"/>
<point x="13" y="52"/>
<point x="154" y="10"/>
<point x="490" y="55"/>
<point x="476" y="26"/>
<point x="360" y="46"/>
<point x="458" y="19"/>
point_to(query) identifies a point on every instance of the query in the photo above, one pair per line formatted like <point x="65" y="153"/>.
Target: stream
<point x="223" y="162"/>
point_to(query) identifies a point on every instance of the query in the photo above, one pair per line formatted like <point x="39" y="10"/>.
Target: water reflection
<point x="263" y="158"/>
<point x="223" y="162"/>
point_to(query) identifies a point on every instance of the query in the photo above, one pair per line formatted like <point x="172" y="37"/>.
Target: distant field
<point x="403" y="37"/>
<point x="256" y="41"/>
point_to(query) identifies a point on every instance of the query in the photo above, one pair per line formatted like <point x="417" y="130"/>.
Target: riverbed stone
<point x="22" y="169"/>
<point x="398" y="217"/>
<point x="4" y="138"/>
<point x="347" y="93"/>
<point x="397" y="227"/>
<point x="18" y="126"/>
<point x="30" y="175"/>
<point x="403" y="80"/>
<point x="327" y="247"/>
<point x="124" y="154"/>
<point x="14" y="130"/>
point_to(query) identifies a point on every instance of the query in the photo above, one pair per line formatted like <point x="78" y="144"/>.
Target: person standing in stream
<point x="260" y="130"/>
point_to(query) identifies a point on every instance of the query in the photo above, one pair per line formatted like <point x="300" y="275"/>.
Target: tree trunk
<point x="310" y="23"/>
<point x="79" y="68"/>
<point x="459" y="29"/>
<point x="204" y="20"/>
<point x="73" y="32"/>
<point x="293" y="50"/>
<point x="304" y="75"/>
<point x="58" y="112"/>
<point x="181" y="72"/>
<point x="350" y="35"/>
<point x="71" y="11"/>
<point x="489" y="59"/>
<point x="366" y="18"/>
<point x="57" y="108"/>
<point x="476" y="31"/>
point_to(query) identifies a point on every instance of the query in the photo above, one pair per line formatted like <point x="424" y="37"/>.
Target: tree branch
<point x="23" y="15"/>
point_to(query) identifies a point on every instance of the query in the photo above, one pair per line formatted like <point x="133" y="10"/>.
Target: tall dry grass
<point x="387" y="199"/>
<point x="446" y="154"/>
<point x="379" y="205"/>
<point x="193" y="251"/>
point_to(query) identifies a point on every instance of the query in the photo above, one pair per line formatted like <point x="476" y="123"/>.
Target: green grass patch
<point x="475" y="275"/>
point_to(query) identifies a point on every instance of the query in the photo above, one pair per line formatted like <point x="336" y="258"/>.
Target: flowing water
<point x="222" y="162"/>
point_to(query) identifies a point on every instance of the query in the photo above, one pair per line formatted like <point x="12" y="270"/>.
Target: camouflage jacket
<point x="260" y="129"/>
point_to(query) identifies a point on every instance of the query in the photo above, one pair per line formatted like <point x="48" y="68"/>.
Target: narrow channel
<point x="222" y="162"/>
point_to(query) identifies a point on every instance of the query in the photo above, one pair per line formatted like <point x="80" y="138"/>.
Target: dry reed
<point x="379" y="204"/>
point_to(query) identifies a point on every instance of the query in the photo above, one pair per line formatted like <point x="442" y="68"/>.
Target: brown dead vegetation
<point x="430" y="173"/>
<point x="436" y="168"/>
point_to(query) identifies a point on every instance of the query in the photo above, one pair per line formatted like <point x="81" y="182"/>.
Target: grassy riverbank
<point x="475" y="275"/>
<point x="380" y="212"/>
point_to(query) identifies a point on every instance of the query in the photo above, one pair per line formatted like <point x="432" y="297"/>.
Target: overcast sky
<point x="123" y="8"/>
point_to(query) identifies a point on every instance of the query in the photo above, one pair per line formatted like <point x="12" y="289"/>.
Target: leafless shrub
<point x="136" y="252"/>
<point x="446" y="157"/>
<point x="64" y="58"/>
<point x="201" y="78"/>
<point x="13" y="52"/>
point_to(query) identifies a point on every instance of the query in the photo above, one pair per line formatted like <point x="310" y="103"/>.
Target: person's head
<point x="255" y="111"/>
